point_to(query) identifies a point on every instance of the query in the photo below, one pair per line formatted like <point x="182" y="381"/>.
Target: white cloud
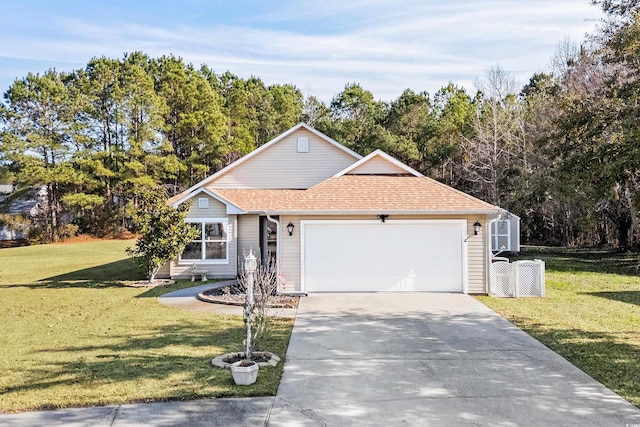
<point x="386" y="46"/>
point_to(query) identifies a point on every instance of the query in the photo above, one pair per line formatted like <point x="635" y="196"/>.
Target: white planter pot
<point x="244" y="375"/>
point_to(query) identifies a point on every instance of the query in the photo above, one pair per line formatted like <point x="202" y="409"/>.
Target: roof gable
<point x="181" y="198"/>
<point x="258" y="151"/>
<point x="378" y="163"/>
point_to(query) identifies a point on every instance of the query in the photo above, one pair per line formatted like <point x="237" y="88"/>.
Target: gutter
<point x="378" y="211"/>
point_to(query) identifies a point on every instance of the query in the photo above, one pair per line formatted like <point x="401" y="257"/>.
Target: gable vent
<point x="303" y="144"/>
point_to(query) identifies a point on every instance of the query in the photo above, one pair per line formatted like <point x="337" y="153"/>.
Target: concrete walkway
<point x="192" y="413"/>
<point x="392" y="359"/>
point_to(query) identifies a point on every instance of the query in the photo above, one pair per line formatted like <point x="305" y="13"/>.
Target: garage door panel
<point x="344" y="256"/>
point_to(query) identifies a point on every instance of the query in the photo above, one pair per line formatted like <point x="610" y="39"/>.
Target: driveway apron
<point x="429" y="359"/>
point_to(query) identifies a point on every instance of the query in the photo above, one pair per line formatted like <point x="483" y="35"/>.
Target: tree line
<point x="560" y="152"/>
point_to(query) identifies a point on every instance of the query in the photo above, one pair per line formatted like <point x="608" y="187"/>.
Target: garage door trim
<point x="463" y="241"/>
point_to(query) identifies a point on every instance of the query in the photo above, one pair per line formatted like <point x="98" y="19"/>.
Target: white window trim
<point x="203" y="203"/>
<point x="495" y="235"/>
<point x="303" y="144"/>
<point x="202" y="221"/>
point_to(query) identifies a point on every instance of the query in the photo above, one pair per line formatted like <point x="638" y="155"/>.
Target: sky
<point x="384" y="45"/>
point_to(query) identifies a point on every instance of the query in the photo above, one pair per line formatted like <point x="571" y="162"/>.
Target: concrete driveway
<point x="429" y="359"/>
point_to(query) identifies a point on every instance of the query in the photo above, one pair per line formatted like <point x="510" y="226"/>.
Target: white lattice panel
<point x="501" y="282"/>
<point x="520" y="279"/>
<point x="529" y="278"/>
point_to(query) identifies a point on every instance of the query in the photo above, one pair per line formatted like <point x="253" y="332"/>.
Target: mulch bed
<point x="235" y="295"/>
<point x="240" y="356"/>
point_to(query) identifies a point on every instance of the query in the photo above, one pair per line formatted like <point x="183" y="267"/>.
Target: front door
<point x="268" y="240"/>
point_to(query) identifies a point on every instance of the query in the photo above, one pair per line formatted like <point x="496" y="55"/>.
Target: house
<point x="20" y="206"/>
<point x="335" y="221"/>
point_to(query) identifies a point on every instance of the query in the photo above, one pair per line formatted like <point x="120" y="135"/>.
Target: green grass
<point x="590" y="315"/>
<point x="74" y="335"/>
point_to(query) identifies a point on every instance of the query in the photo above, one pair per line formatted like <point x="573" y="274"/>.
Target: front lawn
<point x="590" y="315"/>
<point x="74" y="335"/>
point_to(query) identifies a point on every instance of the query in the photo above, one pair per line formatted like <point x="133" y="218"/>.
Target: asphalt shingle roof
<point x="358" y="193"/>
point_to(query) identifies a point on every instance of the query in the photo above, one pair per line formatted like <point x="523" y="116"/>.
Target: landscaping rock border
<point x="146" y="284"/>
<point x="219" y="361"/>
<point x="215" y="296"/>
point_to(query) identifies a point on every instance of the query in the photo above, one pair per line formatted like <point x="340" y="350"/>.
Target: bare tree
<point x="265" y="287"/>
<point x="566" y="56"/>
<point x="496" y="142"/>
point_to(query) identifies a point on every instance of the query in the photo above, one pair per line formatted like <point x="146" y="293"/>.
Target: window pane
<point x="203" y="203"/>
<point x="193" y="251"/>
<point x="503" y="243"/>
<point x="214" y="231"/>
<point x="216" y="250"/>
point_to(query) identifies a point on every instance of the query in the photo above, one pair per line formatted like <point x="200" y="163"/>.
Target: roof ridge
<point x="462" y="193"/>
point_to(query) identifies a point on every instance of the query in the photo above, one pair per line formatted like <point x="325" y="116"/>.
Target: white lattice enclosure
<point x="501" y="279"/>
<point x="519" y="279"/>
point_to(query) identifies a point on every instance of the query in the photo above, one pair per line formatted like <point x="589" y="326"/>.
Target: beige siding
<point x="226" y="270"/>
<point x="477" y="255"/>
<point x="248" y="232"/>
<point x="290" y="253"/>
<point x="281" y="166"/>
<point x="377" y="166"/>
<point x="216" y="209"/>
<point x="476" y="249"/>
<point x="165" y="271"/>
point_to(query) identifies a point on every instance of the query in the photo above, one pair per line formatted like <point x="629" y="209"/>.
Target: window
<point x="203" y="203"/>
<point x="501" y="235"/>
<point x="303" y="144"/>
<point x="212" y="245"/>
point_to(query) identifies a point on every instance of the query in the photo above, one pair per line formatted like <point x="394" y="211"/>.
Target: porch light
<point x="290" y="228"/>
<point x="476" y="228"/>
<point x="250" y="263"/>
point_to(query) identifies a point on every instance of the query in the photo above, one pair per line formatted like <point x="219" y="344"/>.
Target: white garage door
<point x="369" y="256"/>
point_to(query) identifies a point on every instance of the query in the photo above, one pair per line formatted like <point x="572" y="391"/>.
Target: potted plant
<point x="245" y="372"/>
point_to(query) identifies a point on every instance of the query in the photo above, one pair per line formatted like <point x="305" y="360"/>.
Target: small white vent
<point x="303" y="145"/>
<point x="203" y="203"/>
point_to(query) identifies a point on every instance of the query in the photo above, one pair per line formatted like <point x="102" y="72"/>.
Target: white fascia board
<point x="231" y="208"/>
<point x="504" y="214"/>
<point x="385" y="156"/>
<point x="376" y="212"/>
<point x="265" y="146"/>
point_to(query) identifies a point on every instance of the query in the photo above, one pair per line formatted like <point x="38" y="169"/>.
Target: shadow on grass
<point x="102" y="276"/>
<point x="607" y="357"/>
<point x="152" y="355"/>
<point x="631" y="297"/>
<point x="125" y="269"/>
<point x="85" y="284"/>
<point x="595" y="261"/>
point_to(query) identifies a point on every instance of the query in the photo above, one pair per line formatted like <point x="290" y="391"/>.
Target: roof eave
<point x="375" y="212"/>
<point x="383" y="155"/>
<point x="232" y="209"/>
